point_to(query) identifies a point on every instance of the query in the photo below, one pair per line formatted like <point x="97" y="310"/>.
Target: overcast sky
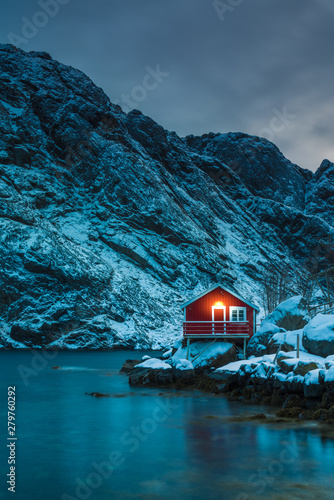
<point x="264" y="67"/>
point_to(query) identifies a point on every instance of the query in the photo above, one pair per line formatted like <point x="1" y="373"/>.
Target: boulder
<point x="292" y="401"/>
<point x="329" y="362"/>
<point x="279" y="379"/>
<point x="184" y="372"/>
<point x="204" y="356"/>
<point x="287" y="341"/>
<point x="329" y="378"/>
<point x="295" y="384"/>
<point x="312" y="386"/>
<point x="290" y="314"/>
<point x="184" y="365"/>
<point x="281" y="356"/>
<point x="260" y="342"/>
<point x="226" y="380"/>
<point x="303" y="367"/>
<point x="287" y="365"/>
<point x="177" y="345"/>
<point x="128" y="365"/>
<point x="318" y="335"/>
<point x="151" y="376"/>
<point x="167" y="354"/>
<point x="262" y="373"/>
<point x="327" y="400"/>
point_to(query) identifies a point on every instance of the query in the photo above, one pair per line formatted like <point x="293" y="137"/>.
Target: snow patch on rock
<point x="318" y="335"/>
<point x="202" y="354"/>
<point x="290" y="314"/>
<point x="154" y="364"/>
<point x="184" y="364"/>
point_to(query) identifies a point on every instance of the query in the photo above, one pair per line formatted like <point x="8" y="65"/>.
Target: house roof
<point x="185" y="304"/>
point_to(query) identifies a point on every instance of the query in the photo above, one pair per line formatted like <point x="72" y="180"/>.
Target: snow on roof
<point x="185" y="304"/>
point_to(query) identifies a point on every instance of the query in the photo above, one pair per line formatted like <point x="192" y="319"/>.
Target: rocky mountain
<point x="109" y="222"/>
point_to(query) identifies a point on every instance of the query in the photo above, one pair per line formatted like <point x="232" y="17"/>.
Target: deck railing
<point x="215" y="328"/>
<point x="326" y="308"/>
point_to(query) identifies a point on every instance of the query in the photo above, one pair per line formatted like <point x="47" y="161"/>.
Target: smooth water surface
<point x="142" y="443"/>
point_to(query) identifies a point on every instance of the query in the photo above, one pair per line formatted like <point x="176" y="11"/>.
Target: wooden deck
<point x="325" y="308"/>
<point x="217" y="336"/>
<point x="216" y="329"/>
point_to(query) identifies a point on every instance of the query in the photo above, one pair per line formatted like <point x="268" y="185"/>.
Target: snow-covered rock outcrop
<point x="304" y="375"/>
<point x="261" y="343"/>
<point x="109" y="222"/>
<point x="290" y="314"/>
<point x="318" y="335"/>
<point x="204" y="354"/>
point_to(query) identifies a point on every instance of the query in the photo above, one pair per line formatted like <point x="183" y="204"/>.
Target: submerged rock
<point x="98" y="394"/>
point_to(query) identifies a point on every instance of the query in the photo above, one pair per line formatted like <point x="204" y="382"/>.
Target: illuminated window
<point x="237" y="313"/>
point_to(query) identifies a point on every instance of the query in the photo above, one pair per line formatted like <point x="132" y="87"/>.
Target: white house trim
<point x="218" y="307"/>
<point x="238" y="308"/>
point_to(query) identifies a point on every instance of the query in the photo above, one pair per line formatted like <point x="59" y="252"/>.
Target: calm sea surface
<point x="144" y="443"/>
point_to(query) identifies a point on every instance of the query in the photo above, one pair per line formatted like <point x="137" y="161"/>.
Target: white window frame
<point x="238" y="308"/>
<point x="218" y="307"/>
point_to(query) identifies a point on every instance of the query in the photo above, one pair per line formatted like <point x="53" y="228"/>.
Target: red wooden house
<point x="219" y="312"/>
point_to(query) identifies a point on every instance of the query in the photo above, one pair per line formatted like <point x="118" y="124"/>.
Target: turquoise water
<point x="146" y="443"/>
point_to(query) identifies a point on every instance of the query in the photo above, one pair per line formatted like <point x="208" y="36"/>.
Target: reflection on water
<point x="149" y="444"/>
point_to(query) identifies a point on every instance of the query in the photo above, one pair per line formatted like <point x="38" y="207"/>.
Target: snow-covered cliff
<point x="109" y="222"/>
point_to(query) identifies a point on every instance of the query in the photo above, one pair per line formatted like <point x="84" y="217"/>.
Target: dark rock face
<point x="219" y="359"/>
<point x="225" y="381"/>
<point x="151" y="377"/>
<point x="261" y="342"/>
<point x="303" y="367"/>
<point x="128" y="365"/>
<point x="109" y="222"/>
<point x="318" y="335"/>
<point x="246" y="159"/>
<point x="320" y="195"/>
<point x="290" y="314"/>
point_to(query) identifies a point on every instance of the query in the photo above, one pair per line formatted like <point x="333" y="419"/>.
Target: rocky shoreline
<point x="298" y="389"/>
<point x="290" y="366"/>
